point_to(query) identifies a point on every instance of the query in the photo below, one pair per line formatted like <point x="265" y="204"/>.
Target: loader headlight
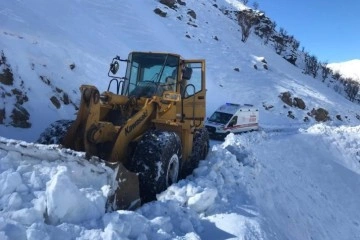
<point x="96" y="96"/>
<point x="104" y="98"/>
<point x="87" y="94"/>
<point x="91" y="94"/>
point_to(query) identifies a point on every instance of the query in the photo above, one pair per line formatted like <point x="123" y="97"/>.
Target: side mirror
<point x="114" y="67"/>
<point x="186" y="73"/>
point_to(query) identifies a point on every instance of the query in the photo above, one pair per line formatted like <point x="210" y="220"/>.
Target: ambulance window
<point x="233" y="121"/>
<point x="220" y="117"/>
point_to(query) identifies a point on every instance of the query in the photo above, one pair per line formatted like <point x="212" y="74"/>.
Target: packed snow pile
<point x="48" y="184"/>
<point x="260" y="185"/>
<point x="344" y="139"/>
<point x="54" y="193"/>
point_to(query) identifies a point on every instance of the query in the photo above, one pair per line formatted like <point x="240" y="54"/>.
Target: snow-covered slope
<point x="41" y="43"/>
<point x="348" y="69"/>
<point x="294" y="179"/>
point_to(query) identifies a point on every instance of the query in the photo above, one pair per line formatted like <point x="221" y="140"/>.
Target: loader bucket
<point x="126" y="193"/>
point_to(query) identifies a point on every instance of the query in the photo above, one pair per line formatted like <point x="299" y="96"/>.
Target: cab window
<point x="193" y="85"/>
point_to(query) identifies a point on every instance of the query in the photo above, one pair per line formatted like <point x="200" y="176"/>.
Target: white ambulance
<point x="232" y="118"/>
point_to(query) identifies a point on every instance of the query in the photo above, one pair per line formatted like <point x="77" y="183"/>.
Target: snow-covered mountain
<point x="348" y="69"/>
<point x="296" y="178"/>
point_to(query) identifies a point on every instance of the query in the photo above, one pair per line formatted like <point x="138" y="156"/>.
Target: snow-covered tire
<point x="157" y="159"/>
<point x="55" y="133"/>
<point x="199" y="151"/>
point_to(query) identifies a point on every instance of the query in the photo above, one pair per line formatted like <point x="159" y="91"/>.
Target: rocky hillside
<point x="44" y="59"/>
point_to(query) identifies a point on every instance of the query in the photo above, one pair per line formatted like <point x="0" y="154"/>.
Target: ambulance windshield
<point x="220" y="117"/>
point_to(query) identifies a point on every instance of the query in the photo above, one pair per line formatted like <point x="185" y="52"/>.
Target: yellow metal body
<point x="107" y="124"/>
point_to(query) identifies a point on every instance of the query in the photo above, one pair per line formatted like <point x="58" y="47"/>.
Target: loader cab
<point x="170" y="77"/>
<point x="150" y="74"/>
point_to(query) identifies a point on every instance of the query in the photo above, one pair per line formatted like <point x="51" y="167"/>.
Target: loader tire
<point x="199" y="151"/>
<point x="54" y="134"/>
<point x="157" y="160"/>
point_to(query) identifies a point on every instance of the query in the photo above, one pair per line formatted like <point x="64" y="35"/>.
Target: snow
<point x="289" y="180"/>
<point x="348" y="69"/>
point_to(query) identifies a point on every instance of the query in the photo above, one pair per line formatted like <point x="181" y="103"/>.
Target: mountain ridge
<point x="347" y="69"/>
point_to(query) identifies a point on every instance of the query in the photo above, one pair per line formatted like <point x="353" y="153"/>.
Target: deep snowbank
<point x="276" y="185"/>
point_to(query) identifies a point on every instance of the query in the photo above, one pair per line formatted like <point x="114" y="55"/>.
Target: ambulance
<point x="232" y="118"/>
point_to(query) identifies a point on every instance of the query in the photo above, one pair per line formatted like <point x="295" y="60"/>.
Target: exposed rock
<point x="169" y="3"/>
<point x="16" y="91"/>
<point x="286" y="98"/>
<point x="237" y="69"/>
<point x="7" y="77"/>
<point x="159" y="12"/>
<point x="55" y="101"/>
<point x="21" y="98"/>
<point x="320" y="114"/>
<point x="299" y="103"/>
<point x="291" y="115"/>
<point x="45" y="80"/>
<point x="279" y="43"/>
<point x="296" y="102"/>
<point x="20" y="117"/>
<point x="265" y="28"/>
<point x="192" y="24"/>
<point x="267" y="106"/>
<point x="2" y="58"/>
<point x="72" y="66"/>
<point x="181" y="3"/>
<point x="2" y="115"/>
<point x="247" y="19"/>
<point x="291" y="59"/>
<point x="192" y="13"/>
<point x="66" y="99"/>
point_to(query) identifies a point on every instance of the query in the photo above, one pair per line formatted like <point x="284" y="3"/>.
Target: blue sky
<point x="327" y="29"/>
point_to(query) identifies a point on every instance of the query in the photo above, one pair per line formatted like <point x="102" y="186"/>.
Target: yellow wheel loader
<point x="148" y="126"/>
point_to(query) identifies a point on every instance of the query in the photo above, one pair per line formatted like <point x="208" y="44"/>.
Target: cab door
<point x="193" y="92"/>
